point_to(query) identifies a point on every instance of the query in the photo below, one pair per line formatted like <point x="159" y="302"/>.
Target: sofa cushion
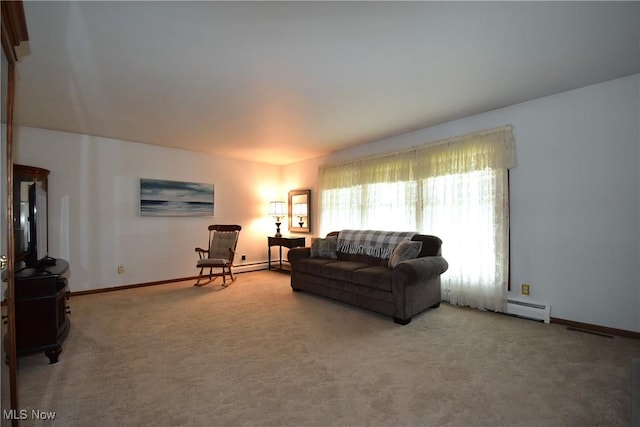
<point x="378" y="277"/>
<point x="341" y="270"/>
<point x="313" y="265"/>
<point x="324" y="248"/>
<point x="364" y="296"/>
<point x="404" y="251"/>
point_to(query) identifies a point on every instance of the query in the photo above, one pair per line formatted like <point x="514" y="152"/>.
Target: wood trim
<point x="263" y="265"/>
<point x="159" y="282"/>
<point x="13" y="32"/>
<point x="595" y="328"/>
<point x="11" y="306"/>
<point x="138" y="285"/>
<point x="31" y="171"/>
<point x="14" y="29"/>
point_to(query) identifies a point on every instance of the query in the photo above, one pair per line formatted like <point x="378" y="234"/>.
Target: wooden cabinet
<point x="42" y="313"/>
<point x="40" y="284"/>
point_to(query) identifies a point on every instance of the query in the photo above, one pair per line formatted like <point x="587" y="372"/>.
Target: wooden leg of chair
<point x="199" y="277"/>
<point x="225" y="271"/>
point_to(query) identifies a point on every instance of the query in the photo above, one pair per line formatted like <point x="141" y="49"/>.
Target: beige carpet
<point x="257" y="354"/>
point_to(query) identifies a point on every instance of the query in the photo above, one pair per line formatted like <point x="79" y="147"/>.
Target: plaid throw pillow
<point x="404" y="251"/>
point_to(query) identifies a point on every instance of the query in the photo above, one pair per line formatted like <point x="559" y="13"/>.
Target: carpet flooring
<point x="258" y="354"/>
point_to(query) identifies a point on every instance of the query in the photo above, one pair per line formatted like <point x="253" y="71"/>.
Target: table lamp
<point x="276" y="210"/>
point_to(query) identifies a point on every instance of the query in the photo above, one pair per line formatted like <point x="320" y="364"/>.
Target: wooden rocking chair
<point x="222" y="248"/>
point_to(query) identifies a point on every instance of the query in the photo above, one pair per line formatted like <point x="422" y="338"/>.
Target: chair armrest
<point x="296" y="254"/>
<point x="202" y="253"/>
<point x="419" y="269"/>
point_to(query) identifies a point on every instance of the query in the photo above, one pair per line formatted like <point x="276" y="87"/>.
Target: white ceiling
<point x="279" y="82"/>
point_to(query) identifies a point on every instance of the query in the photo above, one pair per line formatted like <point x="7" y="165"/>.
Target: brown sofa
<point x="354" y="277"/>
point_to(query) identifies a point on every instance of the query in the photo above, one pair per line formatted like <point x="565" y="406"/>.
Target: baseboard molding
<point x="243" y="268"/>
<point x="595" y="328"/>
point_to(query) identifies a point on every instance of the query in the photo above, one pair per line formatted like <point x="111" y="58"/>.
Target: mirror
<point x="299" y="211"/>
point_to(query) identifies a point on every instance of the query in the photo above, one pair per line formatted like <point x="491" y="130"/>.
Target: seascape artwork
<point x="175" y="198"/>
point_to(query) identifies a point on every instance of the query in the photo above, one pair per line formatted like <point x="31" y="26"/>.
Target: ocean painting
<point x="175" y="198"/>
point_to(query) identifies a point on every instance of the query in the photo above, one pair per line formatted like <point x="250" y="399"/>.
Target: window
<point x="456" y="190"/>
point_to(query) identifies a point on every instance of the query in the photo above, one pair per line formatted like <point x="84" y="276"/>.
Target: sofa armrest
<point x="419" y="269"/>
<point x="296" y="254"/>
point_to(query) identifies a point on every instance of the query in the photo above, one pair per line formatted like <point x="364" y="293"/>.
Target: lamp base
<point x="278" y="234"/>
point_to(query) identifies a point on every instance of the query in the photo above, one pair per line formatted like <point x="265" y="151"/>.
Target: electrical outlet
<point x="244" y="257"/>
<point x="524" y="289"/>
<point x="121" y="269"/>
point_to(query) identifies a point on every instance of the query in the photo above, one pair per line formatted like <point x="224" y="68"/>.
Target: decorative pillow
<point x="324" y="248"/>
<point x="405" y="250"/>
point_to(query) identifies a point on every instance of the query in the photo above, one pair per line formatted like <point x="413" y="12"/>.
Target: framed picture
<point x="175" y="198"/>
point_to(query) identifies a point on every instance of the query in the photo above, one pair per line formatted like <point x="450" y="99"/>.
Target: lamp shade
<point x="300" y="209"/>
<point x="276" y="209"/>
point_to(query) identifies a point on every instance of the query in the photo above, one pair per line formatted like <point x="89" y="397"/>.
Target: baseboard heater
<point x="529" y="310"/>
<point x="250" y="266"/>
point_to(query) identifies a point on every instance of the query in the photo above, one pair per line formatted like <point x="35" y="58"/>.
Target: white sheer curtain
<point x="469" y="212"/>
<point x="456" y="189"/>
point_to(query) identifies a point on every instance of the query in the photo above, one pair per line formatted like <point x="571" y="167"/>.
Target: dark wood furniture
<point x="223" y="240"/>
<point x="40" y="290"/>
<point x="287" y="242"/>
<point x="42" y="313"/>
<point x="14" y="40"/>
<point x="23" y="177"/>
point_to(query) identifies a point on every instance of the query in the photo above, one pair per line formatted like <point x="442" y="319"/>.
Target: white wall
<point x="575" y="201"/>
<point x="304" y="175"/>
<point x="93" y="206"/>
<point x="575" y="197"/>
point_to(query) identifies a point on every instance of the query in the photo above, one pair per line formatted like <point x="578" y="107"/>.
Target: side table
<point x="287" y="242"/>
